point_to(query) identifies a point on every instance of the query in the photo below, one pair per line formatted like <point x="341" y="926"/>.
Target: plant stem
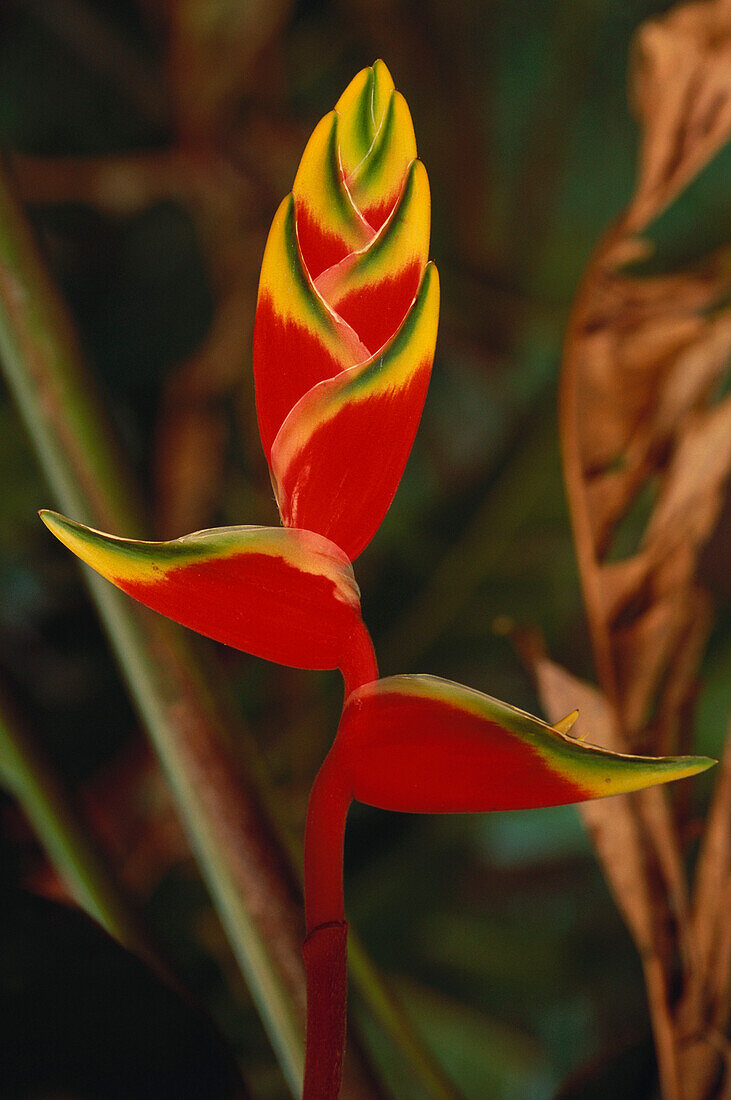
<point x="229" y="832"/>
<point x="386" y="1008"/>
<point x="227" y="817"/>
<point x="51" y="813"/>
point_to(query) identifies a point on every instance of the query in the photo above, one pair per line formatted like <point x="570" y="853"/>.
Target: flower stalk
<point x="221" y="809"/>
<point x="344" y="342"/>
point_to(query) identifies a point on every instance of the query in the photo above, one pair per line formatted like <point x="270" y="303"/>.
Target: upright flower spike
<point x="346" y="319"/>
<point x="288" y="596"/>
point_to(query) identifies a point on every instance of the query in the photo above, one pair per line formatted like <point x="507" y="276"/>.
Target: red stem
<point x="327" y="810"/>
<point x="359" y="661"/>
<point x="325" y="947"/>
<point x="325" y="954"/>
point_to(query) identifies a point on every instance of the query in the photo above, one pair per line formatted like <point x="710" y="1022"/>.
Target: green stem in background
<point x="383" y="1004"/>
<point x="53" y="817"/>
<point x="385" y="1007"/>
<point x="224" y="812"/>
<point x="224" y="822"/>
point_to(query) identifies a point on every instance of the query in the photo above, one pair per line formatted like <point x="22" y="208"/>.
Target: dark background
<point x="498" y="932"/>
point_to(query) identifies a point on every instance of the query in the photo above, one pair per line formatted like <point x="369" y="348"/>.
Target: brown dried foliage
<point x="644" y="357"/>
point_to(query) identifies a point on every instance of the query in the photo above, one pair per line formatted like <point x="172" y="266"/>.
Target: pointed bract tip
<point x="694" y="765"/>
<point x="565" y="724"/>
<point x="60" y="526"/>
<point x="382" y="74"/>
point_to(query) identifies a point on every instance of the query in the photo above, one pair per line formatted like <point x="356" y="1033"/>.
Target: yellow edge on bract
<point x="355" y="126"/>
<point x="403" y="239"/>
<point x="598" y="772"/>
<point x="381" y="172"/>
<point x="383" y="85"/>
<point x="293" y="296"/>
<point x="388" y="371"/>
<point x="318" y="186"/>
<point x="128" y="561"/>
<point x="391" y="368"/>
<point x="103" y="553"/>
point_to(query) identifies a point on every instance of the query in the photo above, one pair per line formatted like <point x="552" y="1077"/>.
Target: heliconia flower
<point x="288" y="596"/>
<point x="344" y="339"/>
<point x="421" y="744"/>
<point x="346" y="318"/>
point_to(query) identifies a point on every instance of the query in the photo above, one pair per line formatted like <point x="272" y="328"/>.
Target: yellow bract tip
<point x="566" y="723"/>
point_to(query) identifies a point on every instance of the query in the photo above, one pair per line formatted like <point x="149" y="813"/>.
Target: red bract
<point x="420" y="744"/>
<point x="288" y="596"/>
<point x="344" y="340"/>
<point x="346" y="318"/>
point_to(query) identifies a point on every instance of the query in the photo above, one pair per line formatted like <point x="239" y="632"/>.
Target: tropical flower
<point x="346" y="319"/>
<point x="344" y="340"/>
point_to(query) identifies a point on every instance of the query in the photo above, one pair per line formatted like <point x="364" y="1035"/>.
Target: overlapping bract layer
<point x="346" y="317"/>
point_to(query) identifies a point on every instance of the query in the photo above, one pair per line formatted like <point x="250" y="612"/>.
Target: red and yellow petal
<point x="288" y="596"/>
<point x="338" y="457"/>
<point x="329" y="226"/>
<point x="383" y="86"/>
<point x="376" y="183"/>
<point x="425" y="745"/>
<point x="298" y="340"/>
<point x="361" y="109"/>
<point x="372" y="290"/>
<point x="356" y="122"/>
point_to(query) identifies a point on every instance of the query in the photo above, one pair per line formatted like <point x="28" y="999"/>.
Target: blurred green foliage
<point x="499" y="932"/>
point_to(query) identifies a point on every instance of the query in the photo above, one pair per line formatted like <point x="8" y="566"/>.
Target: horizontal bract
<point x="425" y="745"/>
<point x="288" y="596"/>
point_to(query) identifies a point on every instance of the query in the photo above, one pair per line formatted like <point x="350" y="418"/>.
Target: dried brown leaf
<point x="682" y="93"/>
<point x="636" y="334"/>
<point x="713" y="883"/>
<point x="647" y="453"/>
<point x="694" y="375"/>
<point x="644" y="650"/>
<point x="703" y="1014"/>
<point x="613" y="822"/>
<point x="643" y="358"/>
<point x="619" y="829"/>
<point x="692" y="491"/>
<point x="672" y="727"/>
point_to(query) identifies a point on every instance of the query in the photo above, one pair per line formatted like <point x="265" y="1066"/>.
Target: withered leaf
<point x="643" y="360"/>
<point x="614" y="825"/>
<point x="681" y="87"/>
<point x="647" y="452"/>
